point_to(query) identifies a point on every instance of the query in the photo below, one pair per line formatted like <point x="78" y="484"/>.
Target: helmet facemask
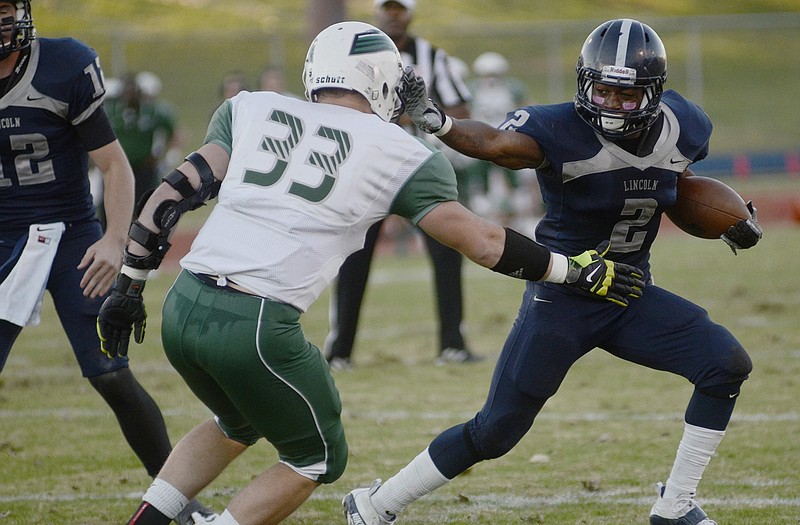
<point x="617" y="123"/>
<point x="17" y="32"/>
<point x="358" y="57"/>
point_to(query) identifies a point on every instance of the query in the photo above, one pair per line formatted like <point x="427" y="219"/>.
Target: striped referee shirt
<point x="445" y="85"/>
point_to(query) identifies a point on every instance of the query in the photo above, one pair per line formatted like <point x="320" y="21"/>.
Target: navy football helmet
<point x="622" y="53"/>
<point x="17" y="32"/>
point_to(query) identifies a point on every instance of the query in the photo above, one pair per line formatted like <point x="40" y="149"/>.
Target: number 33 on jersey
<point x="314" y="185"/>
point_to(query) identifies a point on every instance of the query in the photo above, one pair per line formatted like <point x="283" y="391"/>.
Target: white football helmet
<point x="490" y="64"/>
<point x="148" y="82"/>
<point x="358" y="57"/>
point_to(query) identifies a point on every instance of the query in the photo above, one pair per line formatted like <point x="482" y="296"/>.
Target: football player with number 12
<point x="53" y="124"/>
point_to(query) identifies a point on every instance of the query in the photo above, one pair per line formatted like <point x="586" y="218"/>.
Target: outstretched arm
<point x="471" y="137"/>
<point x="505" y="251"/>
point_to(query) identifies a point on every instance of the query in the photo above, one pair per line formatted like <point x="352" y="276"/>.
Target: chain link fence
<point x="743" y="69"/>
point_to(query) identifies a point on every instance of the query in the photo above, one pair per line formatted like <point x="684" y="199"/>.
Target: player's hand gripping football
<point x="745" y="233"/>
<point x="122" y="313"/>
<point x="426" y="115"/>
<point x="615" y="282"/>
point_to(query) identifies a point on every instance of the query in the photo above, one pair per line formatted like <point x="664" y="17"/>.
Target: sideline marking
<point x="72" y="413"/>
<point x="491" y="500"/>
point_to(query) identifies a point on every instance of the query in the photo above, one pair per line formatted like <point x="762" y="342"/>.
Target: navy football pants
<point x="555" y="327"/>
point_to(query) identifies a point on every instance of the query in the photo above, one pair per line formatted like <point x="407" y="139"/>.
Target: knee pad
<point x="731" y="373"/>
<point x="723" y="391"/>
<point x="739" y="363"/>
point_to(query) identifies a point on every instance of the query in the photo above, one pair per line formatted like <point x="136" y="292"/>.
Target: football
<point x="706" y="207"/>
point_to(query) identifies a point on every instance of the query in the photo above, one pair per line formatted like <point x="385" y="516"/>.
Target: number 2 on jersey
<point x="642" y="210"/>
<point x="282" y="149"/>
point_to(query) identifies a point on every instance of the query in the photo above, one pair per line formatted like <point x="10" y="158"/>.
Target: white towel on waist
<point x="21" y="293"/>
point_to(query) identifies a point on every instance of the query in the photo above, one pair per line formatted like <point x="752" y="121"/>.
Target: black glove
<point x="426" y="115"/>
<point x="122" y="312"/>
<point x="745" y="233"/>
<point x="615" y="282"/>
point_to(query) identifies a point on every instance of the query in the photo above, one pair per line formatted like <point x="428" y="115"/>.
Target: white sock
<point x="226" y="519"/>
<point x="418" y="478"/>
<point x="694" y="453"/>
<point x="166" y="498"/>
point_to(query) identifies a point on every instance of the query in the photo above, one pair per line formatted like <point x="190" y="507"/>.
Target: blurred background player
<point x="50" y="237"/>
<point x="167" y="149"/>
<point x="145" y="126"/>
<point x="273" y="78"/>
<point x="448" y="89"/>
<point x="232" y="83"/>
<point x="510" y="197"/>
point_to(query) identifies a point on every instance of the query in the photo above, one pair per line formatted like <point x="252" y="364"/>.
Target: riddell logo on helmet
<point x="327" y="79"/>
<point x="619" y="72"/>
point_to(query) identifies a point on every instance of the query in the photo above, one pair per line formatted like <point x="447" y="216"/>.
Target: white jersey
<point x="493" y="98"/>
<point x="304" y="183"/>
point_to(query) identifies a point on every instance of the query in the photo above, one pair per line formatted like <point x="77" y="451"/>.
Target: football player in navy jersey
<point x="608" y="165"/>
<point x="51" y="124"/>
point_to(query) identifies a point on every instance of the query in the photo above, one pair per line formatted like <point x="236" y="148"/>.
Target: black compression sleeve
<point x="523" y="258"/>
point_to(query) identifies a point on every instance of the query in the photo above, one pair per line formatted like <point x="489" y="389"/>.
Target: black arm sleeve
<point x="523" y="258"/>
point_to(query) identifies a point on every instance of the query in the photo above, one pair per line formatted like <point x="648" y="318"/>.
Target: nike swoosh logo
<point x="39" y="229"/>
<point x="32" y="98"/>
<point x="589" y="277"/>
<point x="675" y="161"/>
<point x="733" y="395"/>
<point x="538" y="299"/>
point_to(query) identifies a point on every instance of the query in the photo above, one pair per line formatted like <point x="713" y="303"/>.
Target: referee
<point x="446" y="87"/>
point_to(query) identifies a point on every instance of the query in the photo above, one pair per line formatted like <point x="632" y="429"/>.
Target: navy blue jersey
<point x="594" y="190"/>
<point x="43" y="175"/>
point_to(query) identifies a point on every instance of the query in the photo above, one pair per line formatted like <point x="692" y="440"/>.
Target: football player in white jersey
<point x="299" y="184"/>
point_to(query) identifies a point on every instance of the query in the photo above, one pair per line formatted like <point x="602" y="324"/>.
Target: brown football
<point x="706" y="207"/>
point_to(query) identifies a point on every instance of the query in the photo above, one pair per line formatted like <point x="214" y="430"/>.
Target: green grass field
<point x="593" y="455"/>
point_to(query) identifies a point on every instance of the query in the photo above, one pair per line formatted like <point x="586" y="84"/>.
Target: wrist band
<point x="558" y="271"/>
<point x="448" y="123"/>
<point x="135" y="273"/>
